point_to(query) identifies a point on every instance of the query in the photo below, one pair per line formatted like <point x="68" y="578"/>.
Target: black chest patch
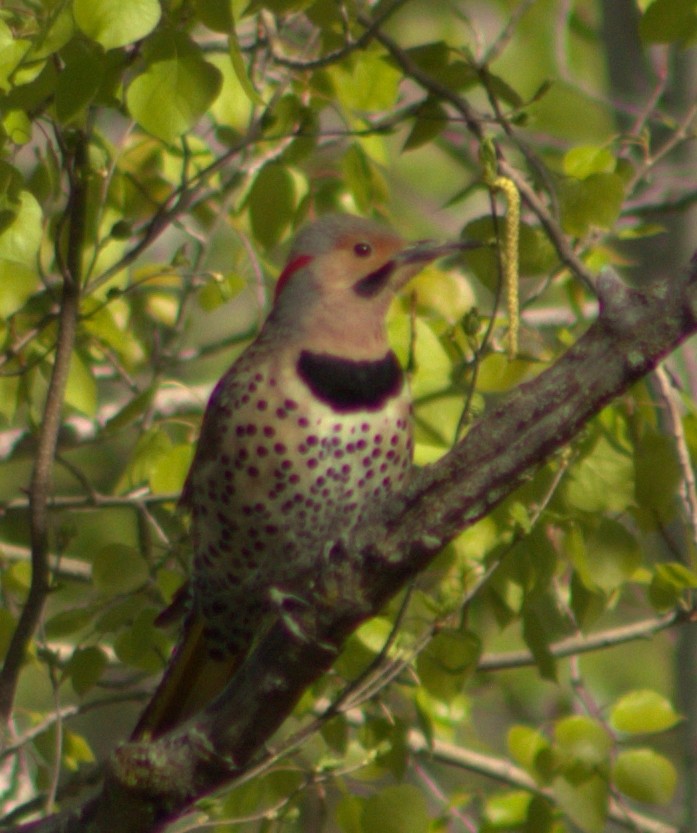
<point x="346" y="385"/>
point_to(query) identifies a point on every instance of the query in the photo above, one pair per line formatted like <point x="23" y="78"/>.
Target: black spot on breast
<point x="347" y="385"/>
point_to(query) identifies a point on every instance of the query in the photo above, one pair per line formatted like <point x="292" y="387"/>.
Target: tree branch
<point x="575" y="645"/>
<point x="502" y="770"/>
<point x="151" y="783"/>
<point x="40" y="487"/>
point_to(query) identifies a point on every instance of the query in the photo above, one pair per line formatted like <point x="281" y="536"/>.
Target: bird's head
<point x="341" y="275"/>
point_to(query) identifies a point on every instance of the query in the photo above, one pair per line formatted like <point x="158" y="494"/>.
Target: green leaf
<point x="537" y="638"/>
<point x="85" y="667"/>
<point x="142" y="645"/>
<point x="582" y="161"/>
<point x="114" y="23"/>
<point x="435" y="59"/>
<point x="79" y="81"/>
<point x="216" y="14"/>
<point x="119" y="614"/>
<point x="669" y="583"/>
<point x="587" y="603"/>
<point x="429" y="121"/>
<point x="366" y="82"/>
<point x="18" y="126"/>
<point x="541" y="817"/>
<point x="444" y="665"/>
<point x="398" y="809"/>
<point x="17" y="283"/>
<point x="362" y="178"/>
<point x="657" y="473"/>
<point x="537" y="255"/>
<point x="240" y="69"/>
<point x="349" y="812"/>
<point x="68" y="622"/>
<point x="150" y="447"/>
<point x="669" y="21"/>
<point x="433" y="366"/>
<point x="508" y="810"/>
<point x="232" y="107"/>
<point x="20" y="239"/>
<point x="594" y="202"/>
<point x="585" y="802"/>
<point x="271" y="203"/>
<point x="81" y="390"/>
<point x="610" y="556"/>
<point x="11" y="54"/>
<point x="11" y="183"/>
<point x="583" y="743"/>
<point x="176" y="87"/>
<point x="117" y="568"/>
<point x="169" y="473"/>
<point x="60" y="30"/>
<point x="645" y="775"/>
<point x="642" y="712"/>
<point x="7" y="629"/>
<point x="529" y="748"/>
<point x="603" y="481"/>
<point x="216" y="292"/>
<point x="76" y="751"/>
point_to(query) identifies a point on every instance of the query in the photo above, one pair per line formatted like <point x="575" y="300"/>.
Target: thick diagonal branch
<point x="150" y="783"/>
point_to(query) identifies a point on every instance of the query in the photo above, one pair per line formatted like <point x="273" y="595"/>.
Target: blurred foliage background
<point x="155" y="159"/>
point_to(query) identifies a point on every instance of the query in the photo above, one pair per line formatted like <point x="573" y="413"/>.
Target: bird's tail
<point x="191" y="680"/>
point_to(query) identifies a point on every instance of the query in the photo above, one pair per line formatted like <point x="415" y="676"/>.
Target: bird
<point x="306" y="435"/>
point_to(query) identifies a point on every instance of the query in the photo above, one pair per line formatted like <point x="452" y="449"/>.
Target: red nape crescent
<point x="290" y="269"/>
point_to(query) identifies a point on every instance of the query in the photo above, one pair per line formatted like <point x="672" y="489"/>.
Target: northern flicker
<point x="305" y="436"/>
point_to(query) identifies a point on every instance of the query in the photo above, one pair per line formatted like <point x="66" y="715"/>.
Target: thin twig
<point x="412" y="70"/>
<point x="682" y="133"/>
<point x="40" y="487"/>
<point x="673" y="420"/>
<point x="610" y="638"/>
<point x="337" y="55"/>
<point x="96" y="500"/>
<point x="178" y="202"/>
<point x="503" y="771"/>
<point x="509" y="30"/>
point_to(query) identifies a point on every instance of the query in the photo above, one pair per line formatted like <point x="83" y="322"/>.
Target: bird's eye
<point x="363" y="249"/>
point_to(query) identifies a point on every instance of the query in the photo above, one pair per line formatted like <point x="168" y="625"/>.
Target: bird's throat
<point x="347" y="385"/>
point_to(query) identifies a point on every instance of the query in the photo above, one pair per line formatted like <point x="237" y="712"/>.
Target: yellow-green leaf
<point x="17" y="282"/>
<point x="643" y="711"/>
<point x="397" y="809"/>
<point x="21" y="238"/>
<point x="117" y="568"/>
<point x="170" y="471"/>
<point x="584" y="160"/>
<point x="85" y="667"/>
<point x="584" y="802"/>
<point x="175" y="88"/>
<point x="645" y="775"/>
<point x="271" y="203"/>
<point x="81" y="390"/>
<point x="114" y="23"/>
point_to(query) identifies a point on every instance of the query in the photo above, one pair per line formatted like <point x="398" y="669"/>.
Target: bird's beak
<point x="427" y="250"/>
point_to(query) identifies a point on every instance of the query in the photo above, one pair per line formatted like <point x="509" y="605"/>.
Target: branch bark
<point x="149" y="784"/>
<point x="40" y="486"/>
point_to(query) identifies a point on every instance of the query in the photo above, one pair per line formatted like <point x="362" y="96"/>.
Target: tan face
<point x="355" y="257"/>
<point x="338" y="284"/>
